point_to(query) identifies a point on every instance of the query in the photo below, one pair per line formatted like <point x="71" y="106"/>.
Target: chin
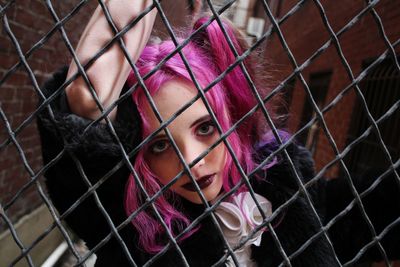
<point x="210" y="193"/>
<point x="197" y="199"/>
<point x="212" y="196"/>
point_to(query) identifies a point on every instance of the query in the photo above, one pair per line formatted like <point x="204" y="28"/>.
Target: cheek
<point x="219" y="155"/>
<point x="164" y="169"/>
<point x="154" y="163"/>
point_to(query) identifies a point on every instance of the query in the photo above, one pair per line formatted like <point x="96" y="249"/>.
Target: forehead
<point x="170" y="98"/>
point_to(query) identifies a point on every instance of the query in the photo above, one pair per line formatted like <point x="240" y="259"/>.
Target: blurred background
<point x="352" y="75"/>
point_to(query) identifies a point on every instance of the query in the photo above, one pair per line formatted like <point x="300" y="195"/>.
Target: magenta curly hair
<point x="208" y="55"/>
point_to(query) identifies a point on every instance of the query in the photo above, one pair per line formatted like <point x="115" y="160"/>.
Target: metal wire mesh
<point x="275" y="28"/>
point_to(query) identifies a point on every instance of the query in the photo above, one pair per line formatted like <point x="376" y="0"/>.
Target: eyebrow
<point x="160" y="135"/>
<point x="201" y="119"/>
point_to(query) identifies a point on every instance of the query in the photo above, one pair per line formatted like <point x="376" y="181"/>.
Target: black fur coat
<point x="95" y="150"/>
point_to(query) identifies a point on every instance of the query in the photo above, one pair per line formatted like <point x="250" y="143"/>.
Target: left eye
<point x="159" y="146"/>
<point x="206" y="128"/>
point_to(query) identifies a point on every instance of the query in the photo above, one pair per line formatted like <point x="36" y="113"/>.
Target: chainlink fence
<point x="366" y="101"/>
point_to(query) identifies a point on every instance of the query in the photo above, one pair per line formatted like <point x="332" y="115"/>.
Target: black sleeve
<point x="70" y="129"/>
<point x="297" y="222"/>
<point x="351" y="232"/>
<point x="71" y="152"/>
<point x="281" y="179"/>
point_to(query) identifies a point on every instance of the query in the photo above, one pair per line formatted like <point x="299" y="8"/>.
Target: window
<point x="381" y="90"/>
<point x="318" y="84"/>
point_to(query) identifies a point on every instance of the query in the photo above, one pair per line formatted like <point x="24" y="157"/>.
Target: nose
<point x="191" y="152"/>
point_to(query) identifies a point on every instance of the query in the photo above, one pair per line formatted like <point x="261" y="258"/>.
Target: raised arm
<point x="109" y="72"/>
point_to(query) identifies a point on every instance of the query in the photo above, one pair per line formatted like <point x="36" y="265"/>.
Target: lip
<point x="203" y="182"/>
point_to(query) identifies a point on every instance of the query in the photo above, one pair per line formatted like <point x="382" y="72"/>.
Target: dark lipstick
<point x="203" y="182"/>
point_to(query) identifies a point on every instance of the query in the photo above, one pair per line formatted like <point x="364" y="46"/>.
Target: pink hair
<point x="208" y="55"/>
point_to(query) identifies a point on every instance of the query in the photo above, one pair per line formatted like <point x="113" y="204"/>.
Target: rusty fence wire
<point x="216" y="13"/>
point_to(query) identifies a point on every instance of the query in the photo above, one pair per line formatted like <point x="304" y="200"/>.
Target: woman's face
<point x="193" y="132"/>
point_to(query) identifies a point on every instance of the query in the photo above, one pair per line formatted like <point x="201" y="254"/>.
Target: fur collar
<point x="98" y="152"/>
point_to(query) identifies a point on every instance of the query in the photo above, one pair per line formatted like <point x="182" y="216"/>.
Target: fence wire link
<point x="372" y="121"/>
<point x="127" y="156"/>
<point x="22" y="154"/>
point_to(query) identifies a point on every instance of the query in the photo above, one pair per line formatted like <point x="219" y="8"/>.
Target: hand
<point x="110" y="71"/>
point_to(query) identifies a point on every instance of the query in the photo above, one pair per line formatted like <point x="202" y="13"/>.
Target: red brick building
<point x="359" y="31"/>
<point x="304" y="32"/>
<point x="321" y="49"/>
<point x="31" y="23"/>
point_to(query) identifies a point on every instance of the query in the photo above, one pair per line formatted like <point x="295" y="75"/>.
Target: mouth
<point x="203" y="182"/>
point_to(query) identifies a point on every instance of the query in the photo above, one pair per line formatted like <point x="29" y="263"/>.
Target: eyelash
<point x="208" y="124"/>
<point x="152" y="147"/>
<point x="166" y="143"/>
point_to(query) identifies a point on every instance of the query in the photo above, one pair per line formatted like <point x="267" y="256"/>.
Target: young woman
<point x="182" y="153"/>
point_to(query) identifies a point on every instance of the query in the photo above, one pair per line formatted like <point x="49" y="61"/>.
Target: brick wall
<point x="30" y="21"/>
<point x="304" y="33"/>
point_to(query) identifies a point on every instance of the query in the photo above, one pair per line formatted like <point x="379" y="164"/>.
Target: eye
<point x="159" y="146"/>
<point x="206" y="128"/>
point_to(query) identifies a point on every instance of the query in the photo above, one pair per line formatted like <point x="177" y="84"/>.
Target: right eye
<point x="159" y="146"/>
